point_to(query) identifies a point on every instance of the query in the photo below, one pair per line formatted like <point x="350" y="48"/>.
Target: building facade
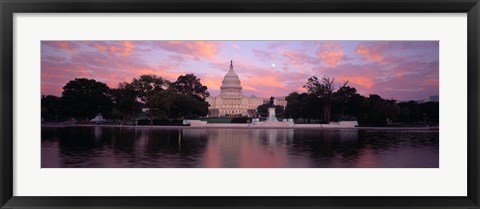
<point x="232" y="103"/>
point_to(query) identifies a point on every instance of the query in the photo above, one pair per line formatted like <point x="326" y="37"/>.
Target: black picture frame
<point x="9" y="7"/>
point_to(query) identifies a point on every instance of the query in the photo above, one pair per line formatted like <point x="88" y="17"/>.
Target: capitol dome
<point x="231" y="83"/>
<point x="231" y="102"/>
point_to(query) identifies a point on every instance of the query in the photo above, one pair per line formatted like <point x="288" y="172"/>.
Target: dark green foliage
<point x="279" y="111"/>
<point x="304" y="105"/>
<point x="146" y="87"/>
<point x="325" y="91"/>
<point x="125" y="103"/>
<point x="50" y="106"/>
<point x="189" y="84"/>
<point x="430" y="111"/>
<point x="84" y="98"/>
<point x="188" y="107"/>
<point x="160" y="103"/>
<point x="413" y="112"/>
<point x="378" y="112"/>
<point x="294" y="106"/>
<point x="164" y="101"/>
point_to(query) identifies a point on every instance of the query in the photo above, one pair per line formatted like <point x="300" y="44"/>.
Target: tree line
<point x="324" y="103"/>
<point x="185" y="98"/>
<point x="162" y="99"/>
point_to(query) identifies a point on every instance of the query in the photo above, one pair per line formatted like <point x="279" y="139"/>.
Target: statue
<point x="271" y="111"/>
<point x="272" y="102"/>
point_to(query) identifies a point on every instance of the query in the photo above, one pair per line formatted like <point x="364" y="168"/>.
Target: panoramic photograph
<point x="239" y="104"/>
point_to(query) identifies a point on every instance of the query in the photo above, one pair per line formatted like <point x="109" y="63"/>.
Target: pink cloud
<point x="64" y="45"/>
<point x="366" y="82"/>
<point x="373" y="53"/>
<point x="330" y="53"/>
<point x="123" y="48"/>
<point x="110" y="68"/>
<point x="51" y="88"/>
<point x="212" y="81"/>
<point x="298" y="59"/>
<point x="252" y="83"/>
<point x="432" y="82"/>
<point x="197" y="49"/>
<point x="331" y="57"/>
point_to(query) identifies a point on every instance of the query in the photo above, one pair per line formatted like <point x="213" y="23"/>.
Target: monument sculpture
<point x="271" y="111"/>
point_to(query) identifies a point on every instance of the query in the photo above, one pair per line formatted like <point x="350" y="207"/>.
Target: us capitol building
<point x="232" y="103"/>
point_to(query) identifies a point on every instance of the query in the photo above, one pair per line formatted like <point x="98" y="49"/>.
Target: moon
<point x="273" y="65"/>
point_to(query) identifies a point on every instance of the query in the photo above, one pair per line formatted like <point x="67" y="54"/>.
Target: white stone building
<point x="232" y="103"/>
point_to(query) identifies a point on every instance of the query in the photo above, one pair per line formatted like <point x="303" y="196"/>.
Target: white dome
<point x="231" y="83"/>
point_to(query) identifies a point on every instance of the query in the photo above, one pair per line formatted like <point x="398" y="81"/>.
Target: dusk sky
<point x="400" y="70"/>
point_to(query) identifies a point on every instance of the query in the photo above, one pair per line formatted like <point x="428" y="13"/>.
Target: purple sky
<point x="392" y="69"/>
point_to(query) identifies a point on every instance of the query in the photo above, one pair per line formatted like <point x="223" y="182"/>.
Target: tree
<point x="313" y="107"/>
<point x="50" y="107"/>
<point x="189" y="84"/>
<point x="431" y="111"/>
<point x="161" y="103"/>
<point x="146" y="87"/>
<point x="343" y="99"/>
<point x="410" y="112"/>
<point x="84" y="98"/>
<point x="125" y="101"/>
<point x="263" y="110"/>
<point x="188" y="106"/>
<point x="303" y="106"/>
<point x="381" y="111"/>
<point x="294" y="105"/>
<point x="280" y="111"/>
<point x="323" y="89"/>
<point x="358" y="107"/>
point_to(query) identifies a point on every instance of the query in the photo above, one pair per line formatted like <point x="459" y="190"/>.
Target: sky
<point x="400" y="70"/>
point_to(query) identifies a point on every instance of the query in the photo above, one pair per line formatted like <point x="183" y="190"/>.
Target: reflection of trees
<point x="323" y="146"/>
<point x="79" y="146"/>
<point x="95" y="146"/>
<point x="128" y="147"/>
<point x="351" y="148"/>
<point x="167" y="147"/>
<point x="176" y="147"/>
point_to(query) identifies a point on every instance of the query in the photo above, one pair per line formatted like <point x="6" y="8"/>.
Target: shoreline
<point x="241" y="126"/>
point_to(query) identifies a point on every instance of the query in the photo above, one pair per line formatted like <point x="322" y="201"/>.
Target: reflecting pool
<point x="142" y="147"/>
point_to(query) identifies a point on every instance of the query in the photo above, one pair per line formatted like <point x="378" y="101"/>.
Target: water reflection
<point x="237" y="148"/>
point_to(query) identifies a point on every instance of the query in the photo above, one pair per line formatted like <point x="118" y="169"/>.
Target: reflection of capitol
<point x="232" y="103"/>
<point x="246" y="148"/>
<point x="277" y="148"/>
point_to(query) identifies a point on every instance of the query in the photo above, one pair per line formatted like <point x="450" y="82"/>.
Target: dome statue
<point x="231" y="84"/>
<point x="232" y="103"/>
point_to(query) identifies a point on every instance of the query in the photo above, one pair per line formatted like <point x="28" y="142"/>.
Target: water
<point x="116" y="147"/>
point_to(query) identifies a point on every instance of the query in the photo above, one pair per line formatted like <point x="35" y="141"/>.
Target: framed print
<point x="196" y="104"/>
